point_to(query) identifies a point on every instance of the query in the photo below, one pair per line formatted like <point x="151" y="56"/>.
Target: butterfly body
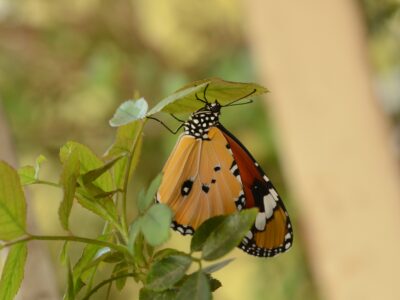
<point x="211" y="173"/>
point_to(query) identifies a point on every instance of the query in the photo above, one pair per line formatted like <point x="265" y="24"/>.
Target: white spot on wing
<point x="269" y="205"/>
<point x="234" y="168"/>
<point x="249" y="235"/>
<point x="260" y="221"/>
<point x="266" y="178"/>
<point x="274" y="194"/>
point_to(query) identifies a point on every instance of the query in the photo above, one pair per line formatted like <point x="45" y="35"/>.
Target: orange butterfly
<point x="210" y="173"/>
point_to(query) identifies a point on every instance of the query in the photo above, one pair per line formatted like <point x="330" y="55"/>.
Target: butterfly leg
<point x="176" y="118"/>
<point x="163" y="124"/>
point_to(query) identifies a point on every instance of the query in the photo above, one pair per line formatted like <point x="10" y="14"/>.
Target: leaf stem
<point x="39" y="181"/>
<point x="67" y="238"/>
<point x="126" y="180"/>
<point x="104" y="282"/>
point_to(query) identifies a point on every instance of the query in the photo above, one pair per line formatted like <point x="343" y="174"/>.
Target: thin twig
<point x="104" y="282"/>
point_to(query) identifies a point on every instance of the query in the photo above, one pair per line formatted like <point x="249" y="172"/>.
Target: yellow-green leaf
<point x="184" y="100"/>
<point x="27" y="175"/>
<point x="88" y="161"/>
<point x="13" y="272"/>
<point x="129" y="138"/>
<point x="69" y="177"/>
<point x="144" y="201"/>
<point x="12" y="204"/>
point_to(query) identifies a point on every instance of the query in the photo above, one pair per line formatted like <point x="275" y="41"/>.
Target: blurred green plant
<point x="129" y="246"/>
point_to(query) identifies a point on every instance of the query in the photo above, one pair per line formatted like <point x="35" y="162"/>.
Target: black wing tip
<point x="182" y="229"/>
<point x="264" y="252"/>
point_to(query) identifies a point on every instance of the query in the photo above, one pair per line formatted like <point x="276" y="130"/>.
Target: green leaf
<point x="195" y="287"/>
<point x="203" y="232"/>
<point x="129" y="138"/>
<point x="27" y="175"/>
<point x="138" y="251"/>
<point x="88" y="255"/>
<point x="166" y="252"/>
<point x="218" y="266"/>
<point x="69" y="177"/>
<point x="104" y="207"/>
<point x="129" y="111"/>
<point x="155" y="224"/>
<point x="134" y="230"/>
<point x="148" y="199"/>
<point x="120" y="269"/>
<point x="228" y="234"/>
<point x="103" y="255"/>
<point x="13" y="271"/>
<point x="215" y="284"/>
<point x="88" y="161"/>
<point x="70" y="292"/>
<point x="146" y="294"/>
<point x="184" y="100"/>
<point x="64" y="253"/>
<point x="30" y="174"/>
<point x="92" y="175"/>
<point x="180" y="101"/>
<point x="163" y="274"/>
<point x="12" y="204"/>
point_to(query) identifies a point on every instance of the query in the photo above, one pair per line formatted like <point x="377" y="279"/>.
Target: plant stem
<point x="126" y="179"/>
<point x="39" y="181"/>
<point x="104" y="282"/>
<point x="66" y="238"/>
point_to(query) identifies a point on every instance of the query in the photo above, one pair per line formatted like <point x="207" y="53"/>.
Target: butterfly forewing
<point x="198" y="182"/>
<point x="272" y="231"/>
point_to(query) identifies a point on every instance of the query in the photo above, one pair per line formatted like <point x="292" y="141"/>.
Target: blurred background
<point x="66" y="65"/>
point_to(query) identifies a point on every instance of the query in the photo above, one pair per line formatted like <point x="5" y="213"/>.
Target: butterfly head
<point x="214" y="107"/>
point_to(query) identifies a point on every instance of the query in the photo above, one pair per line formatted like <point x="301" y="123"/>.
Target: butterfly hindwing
<point x="198" y="182"/>
<point x="272" y="231"/>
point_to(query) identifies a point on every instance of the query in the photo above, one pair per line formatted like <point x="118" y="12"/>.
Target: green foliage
<point x="130" y="247"/>
<point x="166" y="272"/>
<point x="202" y="233"/>
<point x="184" y="100"/>
<point x="12" y="204"/>
<point x="69" y="179"/>
<point x="196" y="287"/>
<point x="155" y="224"/>
<point x="129" y="111"/>
<point x="13" y="271"/>
<point x="228" y="234"/>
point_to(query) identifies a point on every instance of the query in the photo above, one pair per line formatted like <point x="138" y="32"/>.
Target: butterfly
<point x="210" y="173"/>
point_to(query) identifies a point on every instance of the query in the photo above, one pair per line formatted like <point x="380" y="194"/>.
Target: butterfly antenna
<point x="163" y="124"/>
<point x="204" y="95"/>
<point x="232" y="103"/>
<point x="243" y="103"/>
<point x="205" y="91"/>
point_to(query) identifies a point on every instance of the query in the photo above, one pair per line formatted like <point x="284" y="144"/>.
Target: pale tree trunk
<point x="40" y="280"/>
<point x="334" y="143"/>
